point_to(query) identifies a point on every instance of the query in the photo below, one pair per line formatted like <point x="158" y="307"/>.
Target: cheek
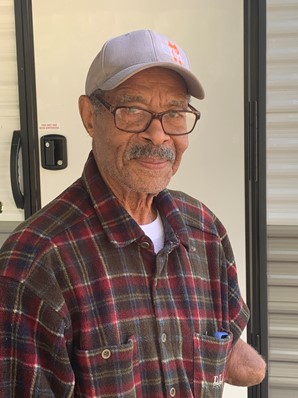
<point x="110" y="146"/>
<point x="102" y="144"/>
<point x="103" y="134"/>
<point x="181" y="145"/>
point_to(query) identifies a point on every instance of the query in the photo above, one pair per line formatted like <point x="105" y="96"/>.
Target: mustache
<point x="149" y="151"/>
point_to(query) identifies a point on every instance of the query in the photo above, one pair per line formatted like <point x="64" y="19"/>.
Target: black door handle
<point x="16" y="145"/>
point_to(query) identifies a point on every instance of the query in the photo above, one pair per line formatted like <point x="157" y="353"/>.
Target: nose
<point x="155" y="133"/>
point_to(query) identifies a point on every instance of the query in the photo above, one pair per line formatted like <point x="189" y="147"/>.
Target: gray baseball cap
<point x="125" y="55"/>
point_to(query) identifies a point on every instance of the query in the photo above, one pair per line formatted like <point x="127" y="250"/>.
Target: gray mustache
<point x="149" y="151"/>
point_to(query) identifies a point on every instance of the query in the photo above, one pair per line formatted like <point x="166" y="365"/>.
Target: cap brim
<point x="194" y="87"/>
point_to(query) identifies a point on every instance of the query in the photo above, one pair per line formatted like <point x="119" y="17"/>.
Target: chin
<point x="152" y="189"/>
<point x="147" y="183"/>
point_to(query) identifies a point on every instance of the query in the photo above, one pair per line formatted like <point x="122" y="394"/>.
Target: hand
<point x="245" y="366"/>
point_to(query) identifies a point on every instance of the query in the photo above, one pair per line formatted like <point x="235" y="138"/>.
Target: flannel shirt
<point x="87" y="309"/>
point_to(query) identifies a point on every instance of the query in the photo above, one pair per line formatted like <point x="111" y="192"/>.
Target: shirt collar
<point x="120" y="228"/>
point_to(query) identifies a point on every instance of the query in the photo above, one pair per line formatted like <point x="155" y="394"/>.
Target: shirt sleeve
<point x="34" y="360"/>
<point x="238" y="312"/>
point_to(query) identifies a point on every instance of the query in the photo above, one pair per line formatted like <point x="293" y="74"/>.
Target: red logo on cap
<point x="175" y="53"/>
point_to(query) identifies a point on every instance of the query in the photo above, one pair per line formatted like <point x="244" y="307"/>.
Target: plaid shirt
<point x="88" y="310"/>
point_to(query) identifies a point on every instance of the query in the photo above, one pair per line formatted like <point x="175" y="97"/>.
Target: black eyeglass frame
<point x="155" y="115"/>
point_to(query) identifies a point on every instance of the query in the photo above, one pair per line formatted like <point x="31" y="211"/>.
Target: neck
<point x="139" y="206"/>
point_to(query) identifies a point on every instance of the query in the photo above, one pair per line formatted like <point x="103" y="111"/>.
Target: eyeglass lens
<point x="138" y="120"/>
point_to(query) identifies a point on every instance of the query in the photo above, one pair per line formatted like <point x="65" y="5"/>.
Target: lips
<point x="153" y="163"/>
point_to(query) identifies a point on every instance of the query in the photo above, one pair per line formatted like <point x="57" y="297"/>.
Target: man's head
<point x="132" y="110"/>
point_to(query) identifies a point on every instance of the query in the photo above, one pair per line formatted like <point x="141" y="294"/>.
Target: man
<point x="119" y="287"/>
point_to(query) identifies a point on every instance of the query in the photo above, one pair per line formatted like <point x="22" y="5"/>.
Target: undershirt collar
<point x="155" y="231"/>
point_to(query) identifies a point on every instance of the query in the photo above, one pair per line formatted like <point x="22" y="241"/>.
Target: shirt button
<point x="106" y="354"/>
<point x="164" y="337"/>
<point x="173" y="392"/>
<point x="145" y="245"/>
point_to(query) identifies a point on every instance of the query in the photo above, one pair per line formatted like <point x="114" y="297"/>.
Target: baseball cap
<point x="123" y="56"/>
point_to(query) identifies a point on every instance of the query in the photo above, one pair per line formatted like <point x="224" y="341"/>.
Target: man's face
<point x="122" y="163"/>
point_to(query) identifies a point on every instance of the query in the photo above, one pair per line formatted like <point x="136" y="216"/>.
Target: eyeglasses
<point x="133" y="119"/>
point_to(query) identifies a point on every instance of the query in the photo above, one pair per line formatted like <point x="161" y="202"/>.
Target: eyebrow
<point x="128" y="98"/>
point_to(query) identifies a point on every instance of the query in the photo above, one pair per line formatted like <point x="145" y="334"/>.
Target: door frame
<point x="255" y="156"/>
<point x="255" y="181"/>
<point x="28" y="109"/>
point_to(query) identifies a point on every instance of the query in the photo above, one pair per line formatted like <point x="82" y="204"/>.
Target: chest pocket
<point x="210" y="360"/>
<point x="110" y="371"/>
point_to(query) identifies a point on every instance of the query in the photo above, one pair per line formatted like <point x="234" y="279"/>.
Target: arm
<point x="245" y="366"/>
<point x="33" y="355"/>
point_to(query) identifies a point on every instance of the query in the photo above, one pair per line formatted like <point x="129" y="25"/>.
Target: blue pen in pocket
<point x="220" y="335"/>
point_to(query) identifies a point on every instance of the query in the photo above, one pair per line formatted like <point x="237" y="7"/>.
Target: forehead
<point x="157" y="80"/>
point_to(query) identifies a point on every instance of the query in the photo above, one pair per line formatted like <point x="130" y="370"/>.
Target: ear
<point x="87" y="114"/>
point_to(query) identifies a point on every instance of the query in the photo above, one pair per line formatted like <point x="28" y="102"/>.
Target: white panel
<point x="283" y="294"/>
<point x="280" y="391"/>
<point x="284" y="373"/>
<point x="284" y="325"/>
<point x="6" y="227"/>
<point x="282" y="196"/>
<point x="282" y="112"/>
<point x="285" y="349"/>
<point x="283" y="307"/>
<point x="284" y="249"/>
<point x="9" y="107"/>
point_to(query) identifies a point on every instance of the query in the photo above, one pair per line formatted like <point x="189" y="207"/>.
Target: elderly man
<point x="120" y="287"/>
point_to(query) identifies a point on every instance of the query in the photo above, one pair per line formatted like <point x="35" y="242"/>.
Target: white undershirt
<point x="155" y="231"/>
